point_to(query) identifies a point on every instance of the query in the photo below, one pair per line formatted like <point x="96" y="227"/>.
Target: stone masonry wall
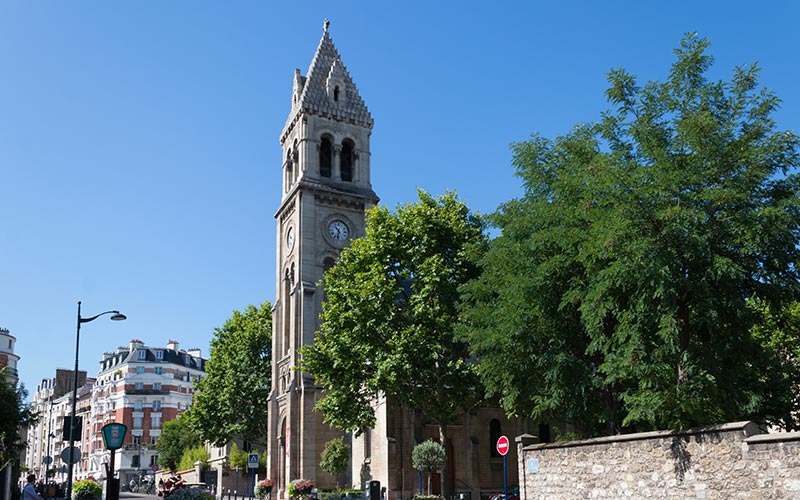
<point x="731" y="461"/>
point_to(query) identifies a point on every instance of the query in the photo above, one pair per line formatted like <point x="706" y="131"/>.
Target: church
<point x="326" y="190"/>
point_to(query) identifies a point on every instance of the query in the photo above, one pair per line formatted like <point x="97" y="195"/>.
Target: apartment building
<point x="52" y="402"/>
<point x="141" y="387"/>
<point x="7" y="356"/>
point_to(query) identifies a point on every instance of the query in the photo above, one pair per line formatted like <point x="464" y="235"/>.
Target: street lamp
<point x="48" y="459"/>
<point x="115" y="316"/>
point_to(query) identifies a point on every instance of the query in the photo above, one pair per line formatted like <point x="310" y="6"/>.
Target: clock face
<point x="338" y="230"/>
<point x="290" y="238"/>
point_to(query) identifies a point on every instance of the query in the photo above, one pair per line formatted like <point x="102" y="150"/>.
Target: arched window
<point x="325" y="156"/>
<point x="287" y="297"/>
<point x="295" y="161"/>
<point x="289" y="168"/>
<point x="336" y="93"/>
<point x="495" y="431"/>
<point x="346" y="163"/>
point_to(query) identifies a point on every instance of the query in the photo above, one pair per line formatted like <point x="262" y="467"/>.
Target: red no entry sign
<point x="502" y="445"/>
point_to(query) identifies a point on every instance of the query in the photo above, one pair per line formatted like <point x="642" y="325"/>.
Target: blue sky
<point x="139" y="154"/>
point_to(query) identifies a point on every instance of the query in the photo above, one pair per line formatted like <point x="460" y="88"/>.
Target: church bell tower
<point x="325" y="190"/>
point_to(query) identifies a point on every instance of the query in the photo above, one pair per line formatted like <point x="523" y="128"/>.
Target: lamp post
<point x="115" y="316"/>
<point x="48" y="459"/>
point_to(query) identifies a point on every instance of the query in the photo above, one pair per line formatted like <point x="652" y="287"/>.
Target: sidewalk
<point x="137" y="496"/>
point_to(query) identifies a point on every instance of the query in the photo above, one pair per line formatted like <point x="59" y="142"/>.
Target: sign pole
<point x="505" y="478"/>
<point x="502" y="448"/>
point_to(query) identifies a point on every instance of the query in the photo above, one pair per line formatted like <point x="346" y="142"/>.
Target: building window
<point x="153" y="439"/>
<point x="346" y="161"/>
<point x="142" y="354"/>
<point x="135" y="461"/>
<point x="138" y="386"/>
<point x="495" y="431"/>
<point x="159" y="354"/>
<point x="159" y="370"/>
<point x="137" y="424"/>
<point x="155" y="422"/>
<point x="139" y="370"/>
<point x="325" y="156"/>
<point x="157" y="386"/>
<point x="157" y="405"/>
<point x="153" y="458"/>
<point x="137" y="405"/>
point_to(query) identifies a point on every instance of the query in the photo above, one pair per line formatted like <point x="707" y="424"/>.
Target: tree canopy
<point x="176" y="438"/>
<point x="14" y="414"/>
<point x="335" y="458"/>
<point x="391" y="305"/>
<point x="619" y="284"/>
<point x="231" y="401"/>
<point x="429" y="456"/>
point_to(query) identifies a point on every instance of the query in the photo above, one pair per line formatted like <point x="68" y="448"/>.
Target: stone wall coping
<point x="775" y="437"/>
<point x="749" y="429"/>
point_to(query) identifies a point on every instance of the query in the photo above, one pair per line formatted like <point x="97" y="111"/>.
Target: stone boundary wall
<point x="730" y="461"/>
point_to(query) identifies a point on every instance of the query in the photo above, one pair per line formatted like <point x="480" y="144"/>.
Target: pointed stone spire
<point x="327" y="89"/>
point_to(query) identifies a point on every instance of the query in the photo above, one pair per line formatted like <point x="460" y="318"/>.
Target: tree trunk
<point x="683" y="341"/>
<point x="444" y="474"/>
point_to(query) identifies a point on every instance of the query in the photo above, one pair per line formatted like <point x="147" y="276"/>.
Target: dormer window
<point x="159" y="354"/>
<point x="142" y="354"/>
<point x="336" y="93"/>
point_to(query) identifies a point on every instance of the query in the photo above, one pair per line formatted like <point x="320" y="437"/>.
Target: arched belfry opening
<point x="325" y="156"/>
<point x="347" y="159"/>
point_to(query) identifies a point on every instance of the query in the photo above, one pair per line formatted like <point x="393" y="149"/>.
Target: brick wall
<point x="728" y="461"/>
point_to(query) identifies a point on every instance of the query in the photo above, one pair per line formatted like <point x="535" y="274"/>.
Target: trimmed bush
<point x="87" y="490"/>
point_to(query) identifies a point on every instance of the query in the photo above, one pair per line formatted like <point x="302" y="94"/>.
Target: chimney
<point x="172" y="344"/>
<point x="194" y="352"/>
<point x="134" y="343"/>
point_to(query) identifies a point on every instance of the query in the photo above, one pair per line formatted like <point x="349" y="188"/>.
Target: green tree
<point x="192" y="455"/>
<point x="231" y="401"/>
<point x="176" y="437"/>
<point x="335" y="458"/>
<point x="14" y="414"/>
<point x="237" y="458"/>
<point x="429" y="456"/>
<point x="387" y="321"/>
<point x="620" y="281"/>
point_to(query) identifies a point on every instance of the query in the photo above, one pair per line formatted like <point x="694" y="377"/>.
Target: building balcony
<point x="146" y="392"/>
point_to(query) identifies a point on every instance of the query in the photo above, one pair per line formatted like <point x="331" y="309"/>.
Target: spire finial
<point x="325" y="25"/>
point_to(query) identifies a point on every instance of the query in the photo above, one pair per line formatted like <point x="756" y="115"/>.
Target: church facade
<point x="326" y="189"/>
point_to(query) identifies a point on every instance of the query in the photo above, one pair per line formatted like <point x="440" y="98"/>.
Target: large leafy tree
<point x="14" y="413"/>
<point x="616" y="294"/>
<point x="231" y="400"/>
<point x="175" y="439"/>
<point x="387" y="322"/>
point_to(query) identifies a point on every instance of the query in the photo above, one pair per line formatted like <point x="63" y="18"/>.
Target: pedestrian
<point x="29" y="491"/>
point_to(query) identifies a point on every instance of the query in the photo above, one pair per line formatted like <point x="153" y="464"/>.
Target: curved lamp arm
<point x="117" y="316"/>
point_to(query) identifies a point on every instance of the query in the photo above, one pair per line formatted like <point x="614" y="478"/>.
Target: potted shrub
<point x="87" y="490"/>
<point x="428" y="456"/>
<point x="263" y="489"/>
<point x="300" y="488"/>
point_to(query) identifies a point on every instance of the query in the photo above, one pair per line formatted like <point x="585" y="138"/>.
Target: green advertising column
<point x="113" y="437"/>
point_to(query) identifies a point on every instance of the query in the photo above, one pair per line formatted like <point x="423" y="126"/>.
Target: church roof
<point x="314" y="91"/>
